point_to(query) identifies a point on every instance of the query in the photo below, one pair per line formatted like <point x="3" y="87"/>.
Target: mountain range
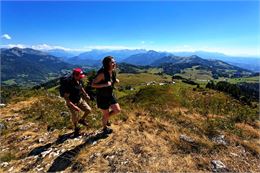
<point x="95" y="56"/>
<point x="29" y="66"/>
<point x="23" y="66"/>
<point x="139" y="57"/>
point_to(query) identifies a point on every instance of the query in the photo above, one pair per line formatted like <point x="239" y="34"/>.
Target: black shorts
<point x="104" y="102"/>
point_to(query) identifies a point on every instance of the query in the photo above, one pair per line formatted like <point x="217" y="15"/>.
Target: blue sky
<point x="230" y="27"/>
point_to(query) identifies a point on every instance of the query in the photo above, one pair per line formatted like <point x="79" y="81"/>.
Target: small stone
<point x="2" y="105"/>
<point x="186" y="138"/>
<point x="39" y="169"/>
<point x="125" y="162"/>
<point x="54" y="154"/>
<point x="218" y="166"/>
<point x="41" y="140"/>
<point x="219" y="140"/>
<point x="4" y="164"/>
<point x="11" y="169"/>
<point x="2" y="127"/>
<point x="110" y="157"/>
<point x="46" y="152"/>
<point x="234" y="154"/>
<point x="24" y="128"/>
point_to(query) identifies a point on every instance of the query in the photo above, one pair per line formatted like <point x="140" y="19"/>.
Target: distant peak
<point x="194" y="56"/>
<point x="152" y="51"/>
<point x="19" y="51"/>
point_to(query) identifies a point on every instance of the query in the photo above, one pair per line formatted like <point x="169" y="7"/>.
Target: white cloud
<point x="6" y="36"/>
<point x="22" y="46"/>
<point x="42" y="47"/>
<point x="48" y="47"/>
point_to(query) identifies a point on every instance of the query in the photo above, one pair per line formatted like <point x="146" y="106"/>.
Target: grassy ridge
<point x="200" y="112"/>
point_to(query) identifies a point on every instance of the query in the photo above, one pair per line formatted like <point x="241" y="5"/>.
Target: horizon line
<point x="180" y="49"/>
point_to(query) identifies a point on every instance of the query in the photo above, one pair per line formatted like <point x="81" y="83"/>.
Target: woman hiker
<point x="104" y="83"/>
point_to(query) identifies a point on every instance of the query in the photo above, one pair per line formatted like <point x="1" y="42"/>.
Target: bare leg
<point x="105" y="117"/>
<point x="84" y="107"/>
<point x="85" y="114"/>
<point x="115" y="109"/>
<point x="74" y="118"/>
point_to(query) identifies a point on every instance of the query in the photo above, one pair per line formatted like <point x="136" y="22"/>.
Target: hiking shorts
<point x="104" y="102"/>
<point x="82" y="104"/>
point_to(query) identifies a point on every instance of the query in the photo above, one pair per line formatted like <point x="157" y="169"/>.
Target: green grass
<point x="254" y="79"/>
<point x="158" y="100"/>
<point x="195" y="74"/>
<point x="16" y="94"/>
<point x="7" y="156"/>
<point x="9" y="82"/>
<point x="154" y="70"/>
<point x="47" y="110"/>
<point x="141" y="79"/>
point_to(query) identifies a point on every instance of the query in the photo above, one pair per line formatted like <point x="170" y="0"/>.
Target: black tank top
<point x="106" y="91"/>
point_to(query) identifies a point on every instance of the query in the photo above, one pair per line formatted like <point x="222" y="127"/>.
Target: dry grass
<point x="248" y="130"/>
<point x="146" y="135"/>
<point x="252" y="147"/>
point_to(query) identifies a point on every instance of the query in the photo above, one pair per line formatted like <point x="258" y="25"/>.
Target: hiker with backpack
<point x="104" y="84"/>
<point x="72" y="90"/>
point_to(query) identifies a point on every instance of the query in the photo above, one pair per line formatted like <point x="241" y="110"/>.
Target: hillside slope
<point x="29" y="66"/>
<point x="159" y="129"/>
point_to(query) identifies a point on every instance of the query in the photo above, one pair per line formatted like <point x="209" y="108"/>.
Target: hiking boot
<point x="83" y="122"/>
<point x="107" y="130"/>
<point x="76" y="132"/>
<point x="108" y="123"/>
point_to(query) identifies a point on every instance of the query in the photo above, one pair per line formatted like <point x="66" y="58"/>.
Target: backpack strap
<point x="114" y="77"/>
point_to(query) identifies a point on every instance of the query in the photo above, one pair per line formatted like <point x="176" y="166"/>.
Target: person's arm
<point x="99" y="78"/>
<point x="85" y="93"/>
<point x="69" y="103"/>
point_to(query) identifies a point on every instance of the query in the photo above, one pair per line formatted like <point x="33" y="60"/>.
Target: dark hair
<point x="106" y="62"/>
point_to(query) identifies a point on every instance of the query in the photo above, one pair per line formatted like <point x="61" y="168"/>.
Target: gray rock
<point x="186" y="138"/>
<point x="219" y="140"/>
<point x="2" y="127"/>
<point x="218" y="166"/>
<point x="2" y="105"/>
<point x="24" y="128"/>
<point x="4" y="164"/>
<point x="46" y="152"/>
<point x="41" y="140"/>
<point x="11" y="169"/>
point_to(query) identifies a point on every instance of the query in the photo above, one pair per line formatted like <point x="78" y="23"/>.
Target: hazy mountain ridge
<point x="99" y="54"/>
<point x="146" y="58"/>
<point x="62" y="53"/>
<point x="24" y="66"/>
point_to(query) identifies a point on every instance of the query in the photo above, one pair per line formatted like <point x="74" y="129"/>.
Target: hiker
<point x="72" y="94"/>
<point x="104" y="83"/>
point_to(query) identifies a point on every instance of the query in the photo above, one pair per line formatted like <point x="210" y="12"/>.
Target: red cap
<point x="78" y="71"/>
